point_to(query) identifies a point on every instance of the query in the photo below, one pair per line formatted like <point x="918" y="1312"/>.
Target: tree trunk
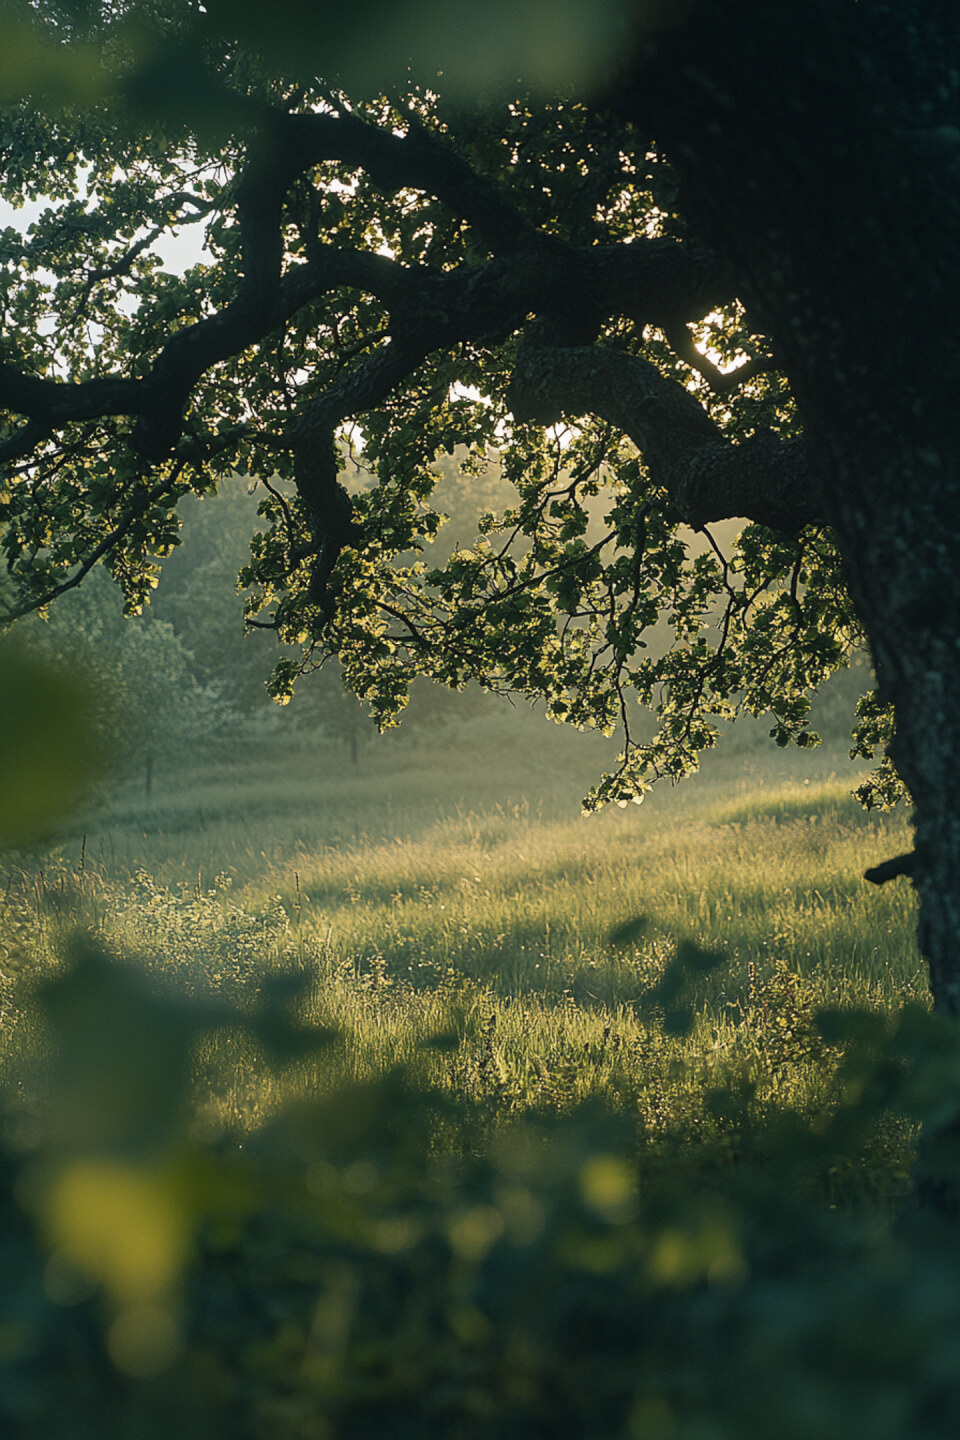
<point x="818" y="148"/>
<point x="902" y="567"/>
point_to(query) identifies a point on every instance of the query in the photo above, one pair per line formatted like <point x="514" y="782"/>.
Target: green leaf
<point x="48" y="747"/>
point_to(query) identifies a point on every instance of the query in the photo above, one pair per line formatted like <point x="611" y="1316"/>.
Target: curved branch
<point x="721" y="382"/>
<point x="649" y="281"/>
<point x="706" y="477"/>
<point x="417" y="160"/>
<point x="657" y="281"/>
<point x="316" y="466"/>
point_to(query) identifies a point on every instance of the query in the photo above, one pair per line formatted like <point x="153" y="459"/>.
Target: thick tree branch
<point x="433" y="310"/>
<point x="650" y="281"/>
<point x="57" y="402"/>
<point x="890" y="869"/>
<point x="417" y="160"/>
<point x="706" y="477"/>
<point x="191" y="351"/>
<point x="656" y="281"/>
<point x="316" y="466"/>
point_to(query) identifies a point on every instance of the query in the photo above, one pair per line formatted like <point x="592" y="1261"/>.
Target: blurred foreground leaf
<point x="156" y="57"/>
<point x="119" y="1225"/>
<point x="629" y="932"/>
<point x="123" y="1055"/>
<point x="48" y="748"/>
<point x="34" y="61"/>
<point x="670" y="994"/>
<point x="475" y="48"/>
<point x="276" y="1025"/>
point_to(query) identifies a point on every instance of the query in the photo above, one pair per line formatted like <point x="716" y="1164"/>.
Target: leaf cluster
<point x="372" y="300"/>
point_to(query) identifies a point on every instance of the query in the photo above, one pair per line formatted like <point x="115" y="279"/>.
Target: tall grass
<point x="451" y="913"/>
<point x="424" y="1105"/>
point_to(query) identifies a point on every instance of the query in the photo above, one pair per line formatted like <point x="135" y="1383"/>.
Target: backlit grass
<point x="449" y="911"/>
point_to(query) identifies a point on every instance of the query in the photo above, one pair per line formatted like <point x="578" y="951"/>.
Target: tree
<point x="196" y="593"/>
<point x="707" y="276"/>
<point x="144" y="697"/>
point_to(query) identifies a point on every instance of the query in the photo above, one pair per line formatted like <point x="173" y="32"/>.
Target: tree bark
<point x="818" y="147"/>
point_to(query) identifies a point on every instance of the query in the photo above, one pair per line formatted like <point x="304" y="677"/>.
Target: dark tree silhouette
<point x="712" y="278"/>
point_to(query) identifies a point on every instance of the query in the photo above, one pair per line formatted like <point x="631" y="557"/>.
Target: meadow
<point x="434" y="1031"/>
<point x="457" y="890"/>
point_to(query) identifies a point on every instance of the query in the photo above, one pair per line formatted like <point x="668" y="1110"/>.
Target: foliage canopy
<point x="431" y="262"/>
